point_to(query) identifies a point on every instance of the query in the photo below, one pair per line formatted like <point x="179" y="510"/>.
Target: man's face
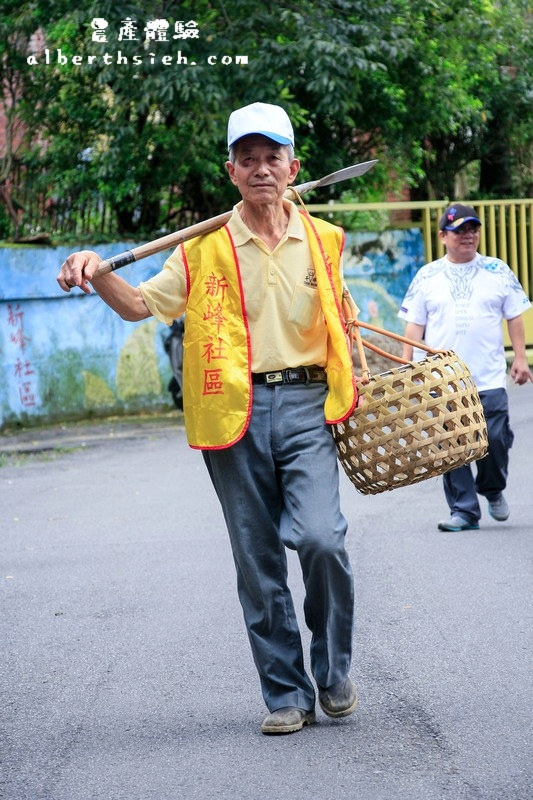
<point x="262" y="169"/>
<point x="461" y="244"/>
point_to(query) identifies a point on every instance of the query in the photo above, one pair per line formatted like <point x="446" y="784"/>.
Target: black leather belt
<point x="294" y="375"/>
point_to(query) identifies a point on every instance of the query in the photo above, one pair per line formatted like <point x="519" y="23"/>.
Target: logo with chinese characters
<point x="155" y="30"/>
<point x="151" y="35"/>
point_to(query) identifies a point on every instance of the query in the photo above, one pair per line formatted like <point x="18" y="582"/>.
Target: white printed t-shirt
<point x="462" y="307"/>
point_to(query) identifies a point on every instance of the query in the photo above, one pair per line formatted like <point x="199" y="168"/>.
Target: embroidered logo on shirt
<point x="310" y="278"/>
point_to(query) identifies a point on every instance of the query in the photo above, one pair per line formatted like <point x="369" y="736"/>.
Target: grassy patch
<point x="22" y="458"/>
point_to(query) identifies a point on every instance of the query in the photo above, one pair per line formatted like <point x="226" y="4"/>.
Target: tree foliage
<point x="430" y="88"/>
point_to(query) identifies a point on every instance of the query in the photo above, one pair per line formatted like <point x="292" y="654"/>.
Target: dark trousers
<point x="279" y="488"/>
<point x="460" y="487"/>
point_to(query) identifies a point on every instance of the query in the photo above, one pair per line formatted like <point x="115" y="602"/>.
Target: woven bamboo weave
<point x="417" y="421"/>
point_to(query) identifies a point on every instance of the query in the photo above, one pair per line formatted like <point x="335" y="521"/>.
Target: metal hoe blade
<point x="335" y="177"/>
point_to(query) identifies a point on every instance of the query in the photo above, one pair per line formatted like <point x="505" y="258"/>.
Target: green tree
<point x="507" y="92"/>
<point x="32" y="101"/>
<point x="466" y="85"/>
<point x="16" y="30"/>
<point x="166" y="127"/>
<point x="430" y="88"/>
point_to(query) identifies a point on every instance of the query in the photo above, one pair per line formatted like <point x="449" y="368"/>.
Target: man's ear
<point x="294" y="170"/>
<point x="231" y="172"/>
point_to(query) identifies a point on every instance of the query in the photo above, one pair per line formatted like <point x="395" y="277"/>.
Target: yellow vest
<point x="217" y="388"/>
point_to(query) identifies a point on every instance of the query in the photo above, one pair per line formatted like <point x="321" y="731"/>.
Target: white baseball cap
<point x="264" y="118"/>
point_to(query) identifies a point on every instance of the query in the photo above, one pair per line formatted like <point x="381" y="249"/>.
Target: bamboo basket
<point x="416" y="421"/>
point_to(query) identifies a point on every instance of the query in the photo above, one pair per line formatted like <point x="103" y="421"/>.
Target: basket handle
<point x="350" y="311"/>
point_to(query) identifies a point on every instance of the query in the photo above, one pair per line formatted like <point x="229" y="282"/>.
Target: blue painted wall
<point x="66" y="356"/>
<point x="378" y="268"/>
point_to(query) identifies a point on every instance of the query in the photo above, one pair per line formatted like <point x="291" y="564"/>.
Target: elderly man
<point x="266" y="367"/>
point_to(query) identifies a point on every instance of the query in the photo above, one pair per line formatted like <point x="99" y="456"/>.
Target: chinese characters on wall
<point x="23" y="371"/>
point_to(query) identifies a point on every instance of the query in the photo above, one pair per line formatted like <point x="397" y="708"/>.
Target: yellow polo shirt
<point x="285" y="320"/>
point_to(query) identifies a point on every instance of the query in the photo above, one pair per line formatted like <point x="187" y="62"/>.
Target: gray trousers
<point x="279" y="487"/>
<point x="460" y="487"/>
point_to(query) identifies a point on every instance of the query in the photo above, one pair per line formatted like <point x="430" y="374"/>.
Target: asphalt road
<point x="125" y="672"/>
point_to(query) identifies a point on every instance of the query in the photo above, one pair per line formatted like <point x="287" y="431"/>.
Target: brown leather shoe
<point x="287" y="720"/>
<point x="338" y="700"/>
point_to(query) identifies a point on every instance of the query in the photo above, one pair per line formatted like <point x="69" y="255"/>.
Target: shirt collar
<point x="461" y="263"/>
<point x="242" y="234"/>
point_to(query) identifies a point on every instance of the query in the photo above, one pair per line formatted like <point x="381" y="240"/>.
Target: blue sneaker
<point x="457" y="523"/>
<point x="499" y="508"/>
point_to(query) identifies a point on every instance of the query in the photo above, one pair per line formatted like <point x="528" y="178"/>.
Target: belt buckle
<point x="274" y="377"/>
<point x="294" y="375"/>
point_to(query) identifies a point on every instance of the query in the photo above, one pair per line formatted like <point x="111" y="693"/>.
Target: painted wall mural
<point x="378" y="268"/>
<point x="69" y="356"/>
